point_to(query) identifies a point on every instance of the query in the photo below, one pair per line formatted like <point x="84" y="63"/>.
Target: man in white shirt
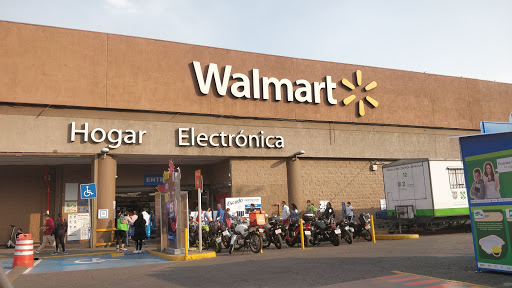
<point x="285" y="211"/>
<point x="350" y="212"/>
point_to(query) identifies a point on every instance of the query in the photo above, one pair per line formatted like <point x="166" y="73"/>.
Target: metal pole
<point x="373" y="229"/>
<point x="200" y="222"/>
<point x="301" y="234"/>
<point x="90" y="223"/>
<point x="186" y="244"/>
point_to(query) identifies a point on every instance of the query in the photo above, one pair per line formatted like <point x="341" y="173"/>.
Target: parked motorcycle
<point x="246" y="237"/>
<point x="292" y="236"/>
<point x="363" y="229"/>
<point x="324" y="230"/>
<point x="346" y="231"/>
<point x="215" y="237"/>
<point x="273" y="232"/>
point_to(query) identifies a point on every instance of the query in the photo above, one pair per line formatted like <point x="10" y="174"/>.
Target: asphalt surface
<point x="442" y="256"/>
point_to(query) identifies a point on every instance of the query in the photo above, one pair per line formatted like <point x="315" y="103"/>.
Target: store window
<point x="456" y="176"/>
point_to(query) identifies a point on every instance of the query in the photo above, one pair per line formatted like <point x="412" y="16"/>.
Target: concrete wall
<point x="47" y="65"/>
<point x="324" y="140"/>
<point x="343" y="181"/>
<point x="23" y="203"/>
<point x="258" y="177"/>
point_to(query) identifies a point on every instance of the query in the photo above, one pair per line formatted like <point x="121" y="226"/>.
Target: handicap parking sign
<point x="88" y="191"/>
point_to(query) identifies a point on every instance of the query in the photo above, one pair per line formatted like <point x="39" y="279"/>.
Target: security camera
<point x="105" y="150"/>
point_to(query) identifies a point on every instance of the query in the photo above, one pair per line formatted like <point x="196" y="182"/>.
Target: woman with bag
<point x="139" y="234"/>
<point x="61" y="228"/>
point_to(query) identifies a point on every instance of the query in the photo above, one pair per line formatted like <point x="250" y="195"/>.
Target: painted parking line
<point x="95" y="262"/>
<point x="6" y="265"/>
<point x="403" y="280"/>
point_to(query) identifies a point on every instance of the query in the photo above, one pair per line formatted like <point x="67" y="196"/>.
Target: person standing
<point x="310" y="208"/>
<point x="478" y="189"/>
<point x="48" y="237"/>
<point x="122" y="229"/>
<point x="207" y="216"/>
<point x="329" y="212"/>
<point x="139" y="234"/>
<point x="285" y="211"/>
<point x="350" y="212"/>
<point x="220" y="214"/>
<point x="61" y="228"/>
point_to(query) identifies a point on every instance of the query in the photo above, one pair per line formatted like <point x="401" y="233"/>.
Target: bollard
<point x="302" y="234"/>
<point x="373" y="229"/>
<point x="24" y="251"/>
<point x="186" y="244"/>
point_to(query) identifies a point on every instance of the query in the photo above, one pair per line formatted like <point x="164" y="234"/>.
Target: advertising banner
<point x="240" y="206"/>
<point x="78" y="226"/>
<point x="488" y="171"/>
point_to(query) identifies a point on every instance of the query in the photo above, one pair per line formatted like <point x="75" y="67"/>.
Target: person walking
<point x="207" y="216"/>
<point x="329" y="212"/>
<point x="48" y="237"/>
<point x="122" y="229"/>
<point x="139" y="234"/>
<point x="61" y="228"/>
<point x="294" y="211"/>
<point x="350" y="212"/>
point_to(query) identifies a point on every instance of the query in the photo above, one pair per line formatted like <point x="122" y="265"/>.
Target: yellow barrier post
<point x="186" y="244"/>
<point x="301" y="235"/>
<point x="373" y="228"/>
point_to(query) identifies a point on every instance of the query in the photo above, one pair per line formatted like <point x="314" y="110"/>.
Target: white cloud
<point x="121" y="6"/>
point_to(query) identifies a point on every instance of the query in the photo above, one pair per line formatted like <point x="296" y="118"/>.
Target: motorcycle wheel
<point x="278" y="241"/>
<point x="348" y="238"/>
<point x="232" y="246"/>
<point x="255" y="243"/>
<point x="367" y="235"/>
<point x="335" y="240"/>
<point x="204" y="244"/>
<point x="266" y="239"/>
<point x="290" y="244"/>
<point x="217" y="247"/>
<point x="225" y="241"/>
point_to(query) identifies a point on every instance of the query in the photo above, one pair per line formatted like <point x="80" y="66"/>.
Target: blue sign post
<point x="88" y="191"/>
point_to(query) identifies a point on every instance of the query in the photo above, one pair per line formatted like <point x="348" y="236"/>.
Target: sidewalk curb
<point x="396" y="236"/>
<point x="194" y="256"/>
<point x="79" y="255"/>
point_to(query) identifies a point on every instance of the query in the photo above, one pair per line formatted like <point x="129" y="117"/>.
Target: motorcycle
<point x="273" y="232"/>
<point x="363" y="229"/>
<point x="292" y="236"/>
<point x="346" y="231"/>
<point x="245" y="236"/>
<point x="215" y="237"/>
<point x="324" y="230"/>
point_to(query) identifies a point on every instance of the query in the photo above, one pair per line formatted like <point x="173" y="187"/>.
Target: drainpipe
<point x="48" y="190"/>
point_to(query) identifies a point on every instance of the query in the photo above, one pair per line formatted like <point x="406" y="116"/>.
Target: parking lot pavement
<point x="448" y="257"/>
<point x="94" y="262"/>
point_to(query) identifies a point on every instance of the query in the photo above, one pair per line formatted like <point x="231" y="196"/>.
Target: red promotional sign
<point x="198" y="179"/>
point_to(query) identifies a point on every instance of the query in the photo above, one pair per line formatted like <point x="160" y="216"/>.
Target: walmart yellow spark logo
<point x="349" y="99"/>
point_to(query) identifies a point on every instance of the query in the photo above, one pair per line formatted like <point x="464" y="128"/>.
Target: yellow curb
<point x="396" y="236"/>
<point x="440" y="279"/>
<point x="194" y="256"/>
<point x="381" y="232"/>
<point x="78" y="255"/>
<point x="117" y="254"/>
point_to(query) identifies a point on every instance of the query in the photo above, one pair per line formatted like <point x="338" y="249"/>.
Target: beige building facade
<point x="66" y="95"/>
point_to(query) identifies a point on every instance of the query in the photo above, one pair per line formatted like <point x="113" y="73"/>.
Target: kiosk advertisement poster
<point x="240" y="206"/>
<point x="489" y="187"/>
<point x="170" y="205"/>
<point x="78" y="226"/>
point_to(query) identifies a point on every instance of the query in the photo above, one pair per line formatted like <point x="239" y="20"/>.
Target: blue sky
<point x="449" y="37"/>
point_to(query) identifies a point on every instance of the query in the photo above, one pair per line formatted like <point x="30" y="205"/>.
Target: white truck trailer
<point x="425" y="191"/>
